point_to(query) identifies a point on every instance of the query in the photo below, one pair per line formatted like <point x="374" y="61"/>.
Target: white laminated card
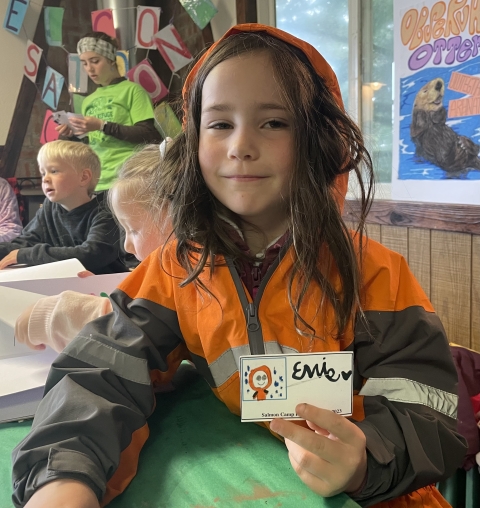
<point x="271" y="386"/>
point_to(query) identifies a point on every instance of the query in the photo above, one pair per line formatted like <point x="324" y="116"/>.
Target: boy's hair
<point x="327" y="143"/>
<point x="77" y="155"/>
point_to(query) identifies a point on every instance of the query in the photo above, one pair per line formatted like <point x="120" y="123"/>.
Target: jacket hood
<point x="319" y="63"/>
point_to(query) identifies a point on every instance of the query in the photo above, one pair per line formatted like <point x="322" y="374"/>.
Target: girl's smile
<point x="246" y="142"/>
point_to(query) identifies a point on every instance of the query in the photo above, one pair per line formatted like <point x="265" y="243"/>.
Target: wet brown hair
<point x="327" y="143"/>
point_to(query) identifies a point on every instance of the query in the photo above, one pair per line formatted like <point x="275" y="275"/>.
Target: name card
<point x="272" y="386"/>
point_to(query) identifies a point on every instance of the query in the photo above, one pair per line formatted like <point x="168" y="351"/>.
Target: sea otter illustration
<point x="435" y="141"/>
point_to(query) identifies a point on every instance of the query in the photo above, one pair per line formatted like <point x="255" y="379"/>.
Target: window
<point x="346" y="32"/>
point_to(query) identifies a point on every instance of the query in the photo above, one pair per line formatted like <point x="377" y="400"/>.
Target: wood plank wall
<point x="447" y="265"/>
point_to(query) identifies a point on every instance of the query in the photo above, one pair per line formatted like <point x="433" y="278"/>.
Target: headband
<point x="99" y="46"/>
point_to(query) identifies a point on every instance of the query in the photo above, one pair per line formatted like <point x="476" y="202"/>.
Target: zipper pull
<point x="252" y="319"/>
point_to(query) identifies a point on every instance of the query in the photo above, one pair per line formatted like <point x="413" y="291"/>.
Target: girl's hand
<point x="64" y="130"/>
<point x="21" y="329"/>
<point x="332" y="459"/>
<point x="85" y="124"/>
<point x="64" y="494"/>
<point x="9" y="259"/>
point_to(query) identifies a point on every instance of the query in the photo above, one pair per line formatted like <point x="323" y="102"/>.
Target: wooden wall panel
<point x="395" y="238"/>
<point x="374" y="232"/>
<point x="450" y="287"/>
<point x="475" y="342"/>
<point x="419" y="256"/>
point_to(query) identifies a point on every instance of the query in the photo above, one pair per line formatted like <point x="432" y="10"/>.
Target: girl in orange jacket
<point x="260" y="261"/>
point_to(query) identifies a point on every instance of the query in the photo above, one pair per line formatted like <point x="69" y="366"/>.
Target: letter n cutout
<point x="172" y="48"/>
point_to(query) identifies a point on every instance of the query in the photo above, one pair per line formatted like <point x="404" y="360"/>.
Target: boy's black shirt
<point x="88" y="233"/>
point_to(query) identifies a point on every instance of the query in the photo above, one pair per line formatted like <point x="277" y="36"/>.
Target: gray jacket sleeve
<point x="91" y="423"/>
<point x="405" y="373"/>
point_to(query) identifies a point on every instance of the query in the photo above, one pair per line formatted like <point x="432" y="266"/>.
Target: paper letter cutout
<point x="15" y="15"/>
<point x="102" y="21"/>
<point x="52" y="88"/>
<point x="32" y="61"/>
<point x="148" y="21"/>
<point x="77" y="77"/>
<point x="464" y="83"/>
<point x="172" y="48"/>
<point x="48" y="130"/>
<point x="469" y="85"/>
<point x="53" y="17"/>
<point x="122" y="62"/>
<point x="144" y="75"/>
<point x="201" y="11"/>
<point x="166" y="121"/>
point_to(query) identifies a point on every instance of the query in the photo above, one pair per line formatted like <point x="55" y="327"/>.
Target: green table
<point x="199" y="455"/>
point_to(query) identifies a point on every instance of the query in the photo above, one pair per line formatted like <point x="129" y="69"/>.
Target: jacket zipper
<point x="254" y="327"/>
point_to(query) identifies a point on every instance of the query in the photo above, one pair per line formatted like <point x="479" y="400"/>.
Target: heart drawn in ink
<point x="346" y="375"/>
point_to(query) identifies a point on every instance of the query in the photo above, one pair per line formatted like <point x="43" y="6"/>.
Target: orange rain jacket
<point x="404" y="377"/>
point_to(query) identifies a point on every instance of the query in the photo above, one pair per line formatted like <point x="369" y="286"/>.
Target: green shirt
<point x="125" y="103"/>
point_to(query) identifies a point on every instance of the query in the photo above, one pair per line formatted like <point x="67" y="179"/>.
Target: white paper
<point x="59" y="269"/>
<point x="25" y="372"/>
<point x="272" y="386"/>
<point x="13" y="303"/>
<point x="94" y="285"/>
<point x="63" y="118"/>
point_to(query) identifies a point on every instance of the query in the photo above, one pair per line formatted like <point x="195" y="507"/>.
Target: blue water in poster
<point x="413" y="167"/>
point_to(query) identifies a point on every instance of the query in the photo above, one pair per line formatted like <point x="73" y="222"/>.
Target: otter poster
<point x="437" y="101"/>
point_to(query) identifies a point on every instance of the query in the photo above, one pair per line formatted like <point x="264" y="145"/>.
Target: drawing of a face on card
<point x="272" y="386"/>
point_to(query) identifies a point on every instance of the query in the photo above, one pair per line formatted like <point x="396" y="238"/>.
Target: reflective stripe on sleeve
<point x="100" y="355"/>
<point x="412" y="392"/>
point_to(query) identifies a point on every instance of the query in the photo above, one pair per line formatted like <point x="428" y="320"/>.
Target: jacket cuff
<point x="40" y="320"/>
<point x="61" y="465"/>
<point x="380" y="466"/>
<point x="22" y="256"/>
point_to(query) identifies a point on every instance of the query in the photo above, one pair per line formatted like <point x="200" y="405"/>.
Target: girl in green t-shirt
<point x="118" y="116"/>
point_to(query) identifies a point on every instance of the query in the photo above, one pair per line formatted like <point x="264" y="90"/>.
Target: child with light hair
<point x="56" y="320"/>
<point x="73" y="222"/>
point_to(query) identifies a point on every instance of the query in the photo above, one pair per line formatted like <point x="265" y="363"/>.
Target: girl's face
<point x="100" y="70"/>
<point x="142" y="237"/>
<point x="246" y="140"/>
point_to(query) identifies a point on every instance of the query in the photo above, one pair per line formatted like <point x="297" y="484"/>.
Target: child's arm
<point x="407" y="383"/>
<point x="55" y="320"/>
<point x="32" y="234"/>
<point x="100" y="248"/>
<point x="91" y="424"/>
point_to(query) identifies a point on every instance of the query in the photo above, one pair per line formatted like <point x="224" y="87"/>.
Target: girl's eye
<point x="220" y="125"/>
<point x="276" y="124"/>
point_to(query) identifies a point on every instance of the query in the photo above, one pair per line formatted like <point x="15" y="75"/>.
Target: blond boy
<point x="73" y="222"/>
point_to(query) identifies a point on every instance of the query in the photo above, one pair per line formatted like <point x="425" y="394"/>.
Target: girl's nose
<point x="128" y="246"/>
<point x="243" y="145"/>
